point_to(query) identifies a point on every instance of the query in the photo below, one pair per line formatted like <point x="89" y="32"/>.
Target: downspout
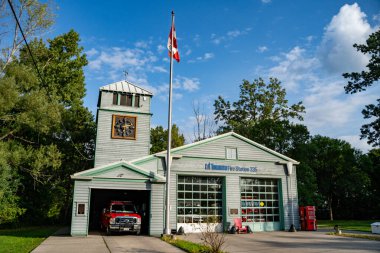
<point x="289" y="167"/>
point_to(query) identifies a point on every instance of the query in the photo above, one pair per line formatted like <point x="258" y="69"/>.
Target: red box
<point x="311" y="225"/>
<point x="307" y="218"/>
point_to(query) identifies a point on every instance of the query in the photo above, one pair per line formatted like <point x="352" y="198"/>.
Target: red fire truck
<point x="120" y="216"/>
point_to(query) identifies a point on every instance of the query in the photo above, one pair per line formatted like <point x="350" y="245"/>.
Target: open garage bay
<point x="100" y="198"/>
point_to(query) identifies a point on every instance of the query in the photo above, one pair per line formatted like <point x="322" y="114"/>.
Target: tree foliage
<point x="34" y="17"/>
<point x="258" y="101"/>
<point x="263" y="114"/>
<point x="359" y="82"/>
<point x="159" y="138"/>
<point x="44" y="124"/>
<point x="341" y="181"/>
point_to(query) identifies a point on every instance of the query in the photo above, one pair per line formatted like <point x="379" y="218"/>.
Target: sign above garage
<point x="229" y="168"/>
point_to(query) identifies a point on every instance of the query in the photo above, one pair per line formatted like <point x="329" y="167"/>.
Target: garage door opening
<point x="100" y="198"/>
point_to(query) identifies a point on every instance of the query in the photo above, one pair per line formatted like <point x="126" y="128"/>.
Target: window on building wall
<point x="114" y="98"/>
<point x="137" y="101"/>
<point x="259" y="200"/>
<point x="81" y="209"/>
<point x="126" y="99"/>
<point x="199" y="199"/>
<point x="231" y="153"/>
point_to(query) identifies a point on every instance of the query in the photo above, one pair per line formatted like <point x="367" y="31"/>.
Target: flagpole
<point x="168" y="158"/>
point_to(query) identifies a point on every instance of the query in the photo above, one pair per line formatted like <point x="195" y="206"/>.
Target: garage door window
<point x="199" y="199"/>
<point x="259" y="200"/>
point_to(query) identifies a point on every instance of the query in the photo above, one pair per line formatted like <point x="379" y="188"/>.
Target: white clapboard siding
<point x="156" y="225"/>
<point x="110" y="150"/>
<point x="233" y="200"/>
<point x="79" y="224"/>
<point x="217" y="149"/>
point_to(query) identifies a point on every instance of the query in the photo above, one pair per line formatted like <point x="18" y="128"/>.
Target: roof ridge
<point x="125" y="86"/>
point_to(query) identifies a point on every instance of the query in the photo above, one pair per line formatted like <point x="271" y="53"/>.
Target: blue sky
<point x="305" y="44"/>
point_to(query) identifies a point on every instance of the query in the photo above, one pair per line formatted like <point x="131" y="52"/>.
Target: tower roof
<point x="125" y="86"/>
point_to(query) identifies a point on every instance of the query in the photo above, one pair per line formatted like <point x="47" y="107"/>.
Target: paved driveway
<point x="266" y="242"/>
<point x="298" y="242"/>
<point x="99" y="243"/>
<point x="133" y="243"/>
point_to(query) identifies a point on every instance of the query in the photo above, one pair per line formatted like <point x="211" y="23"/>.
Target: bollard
<point x="337" y="230"/>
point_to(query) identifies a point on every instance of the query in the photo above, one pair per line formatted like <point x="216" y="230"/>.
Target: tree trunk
<point x="330" y="208"/>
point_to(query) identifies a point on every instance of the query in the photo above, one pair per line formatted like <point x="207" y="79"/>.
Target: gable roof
<point x="125" y="86"/>
<point x="218" y="137"/>
<point x="98" y="171"/>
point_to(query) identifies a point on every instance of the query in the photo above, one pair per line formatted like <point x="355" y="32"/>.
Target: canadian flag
<point x="174" y="44"/>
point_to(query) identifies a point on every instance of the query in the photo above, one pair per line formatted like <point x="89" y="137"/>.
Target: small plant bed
<point x="361" y="236"/>
<point x="354" y="225"/>
<point x="21" y="240"/>
<point x="187" y="246"/>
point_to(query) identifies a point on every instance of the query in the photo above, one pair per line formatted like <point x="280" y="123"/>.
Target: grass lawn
<point x="187" y="246"/>
<point x="357" y="225"/>
<point x="22" y="240"/>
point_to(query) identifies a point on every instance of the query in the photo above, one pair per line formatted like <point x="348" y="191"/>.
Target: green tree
<point x="159" y="138"/>
<point x="262" y="114"/>
<point x="369" y="206"/>
<point x="258" y="101"/>
<point x="48" y="123"/>
<point x="34" y="17"/>
<point x="359" y="82"/>
<point x="281" y="136"/>
<point x="9" y="181"/>
<point x="341" y="181"/>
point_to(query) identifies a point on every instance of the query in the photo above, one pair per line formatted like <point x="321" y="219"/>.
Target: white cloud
<point x="197" y="39"/>
<point x="121" y="58"/>
<point x="310" y="38"/>
<point x="180" y="84"/>
<point x="142" y="44"/>
<point x="185" y="83"/>
<point x="208" y="56"/>
<point x="234" y="33"/>
<point x="159" y="69"/>
<point x="262" y="49"/>
<point x="230" y="35"/>
<point x="188" y="52"/>
<point x="376" y="17"/>
<point x="160" y="48"/>
<point x="205" y="57"/>
<point x="266" y="1"/>
<point x="91" y="52"/>
<point x="190" y="84"/>
<point x="329" y="111"/>
<point x="348" y="27"/>
<point x="356" y="142"/>
<point x="293" y="68"/>
<point x="216" y="39"/>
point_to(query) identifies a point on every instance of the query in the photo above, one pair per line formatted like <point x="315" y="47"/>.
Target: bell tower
<point x="123" y="123"/>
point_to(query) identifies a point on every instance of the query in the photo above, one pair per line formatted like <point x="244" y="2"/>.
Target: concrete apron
<point x="297" y="242"/>
<point x="61" y="242"/>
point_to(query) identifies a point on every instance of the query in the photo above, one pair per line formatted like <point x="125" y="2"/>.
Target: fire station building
<point x="221" y="178"/>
